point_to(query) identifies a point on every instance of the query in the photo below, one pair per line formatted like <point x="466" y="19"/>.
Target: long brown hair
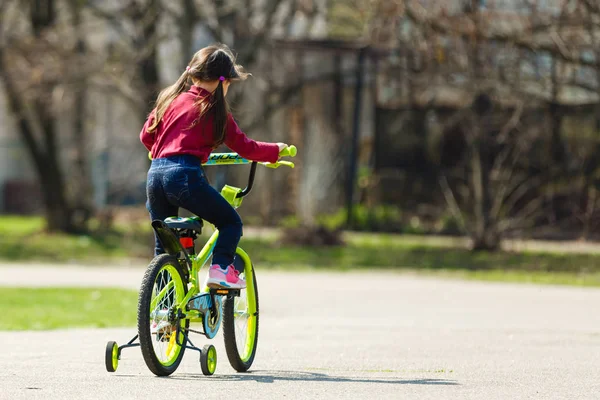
<point x="212" y="63"/>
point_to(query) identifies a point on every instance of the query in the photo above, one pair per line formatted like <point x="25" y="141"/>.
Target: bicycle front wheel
<point x="163" y="289"/>
<point x="240" y="321"/>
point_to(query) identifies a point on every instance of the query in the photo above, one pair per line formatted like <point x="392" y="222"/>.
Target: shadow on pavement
<point x="273" y="376"/>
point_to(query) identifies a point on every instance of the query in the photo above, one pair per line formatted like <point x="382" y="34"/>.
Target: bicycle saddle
<point x="194" y="223"/>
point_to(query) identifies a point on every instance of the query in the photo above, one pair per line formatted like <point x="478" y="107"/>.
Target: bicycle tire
<point x="171" y="265"/>
<point x="241" y="362"/>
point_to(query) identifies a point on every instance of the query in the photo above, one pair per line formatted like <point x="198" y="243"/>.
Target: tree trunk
<point x="44" y="152"/>
<point x="42" y="14"/>
<point x="83" y="202"/>
<point x="147" y="17"/>
<point x="58" y="213"/>
<point x="186" y="31"/>
<point x="558" y="150"/>
<point x="485" y="235"/>
<point x="59" y="216"/>
<point x="487" y="240"/>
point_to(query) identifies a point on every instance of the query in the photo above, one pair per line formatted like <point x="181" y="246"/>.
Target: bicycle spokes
<point x="243" y="320"/>
<point x="167" y="293"/>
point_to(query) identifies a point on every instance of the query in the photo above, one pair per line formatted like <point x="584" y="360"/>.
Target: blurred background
<point x="473" y="123"/>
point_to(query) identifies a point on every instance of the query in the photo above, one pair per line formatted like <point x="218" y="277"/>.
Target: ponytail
<point x="220" y="110"/>
<point x="166" y="96"/>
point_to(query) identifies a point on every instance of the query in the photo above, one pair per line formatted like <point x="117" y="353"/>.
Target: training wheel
<point x="111" y="358"/>
<point x="208" y="359"/>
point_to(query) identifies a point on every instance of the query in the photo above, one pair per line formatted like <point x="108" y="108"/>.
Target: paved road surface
<point x="328" y="336"/>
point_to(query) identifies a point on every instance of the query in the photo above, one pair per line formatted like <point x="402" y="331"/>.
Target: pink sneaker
<point x="229" y="278"/>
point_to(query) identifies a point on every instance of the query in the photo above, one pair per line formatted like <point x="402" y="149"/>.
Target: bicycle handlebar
<point x="234" y="158"/>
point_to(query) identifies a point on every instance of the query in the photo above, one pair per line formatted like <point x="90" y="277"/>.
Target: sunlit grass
<point x="55" y="308"/>
<point x="19" y="225"/>
<point x="23" y="239"/>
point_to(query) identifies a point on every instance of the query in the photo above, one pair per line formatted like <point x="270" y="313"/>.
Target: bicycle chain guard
<point x="211" y="315"/>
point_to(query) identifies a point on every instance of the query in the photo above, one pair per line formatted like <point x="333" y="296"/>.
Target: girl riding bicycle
<point x="190" y="120"/>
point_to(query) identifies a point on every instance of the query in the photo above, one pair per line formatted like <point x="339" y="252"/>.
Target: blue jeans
<point x="179" y="181"/>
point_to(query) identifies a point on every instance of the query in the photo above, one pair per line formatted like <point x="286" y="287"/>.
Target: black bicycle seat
<point x="193" y="223"/>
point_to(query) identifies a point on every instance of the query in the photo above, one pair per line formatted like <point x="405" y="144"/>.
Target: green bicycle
<point x="171" y="296"/>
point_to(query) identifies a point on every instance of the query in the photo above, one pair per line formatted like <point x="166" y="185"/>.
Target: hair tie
<point x="222" y="78"/>
<point x="187" y="69"/>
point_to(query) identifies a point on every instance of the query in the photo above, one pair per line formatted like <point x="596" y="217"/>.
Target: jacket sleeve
<point x="146" y="137"/>
<point x="250" y="149"/>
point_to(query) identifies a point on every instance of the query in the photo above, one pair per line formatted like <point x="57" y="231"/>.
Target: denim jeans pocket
<point x="177" y="184"/>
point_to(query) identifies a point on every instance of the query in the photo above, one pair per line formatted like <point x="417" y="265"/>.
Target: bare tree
<point x="37" y="66"/>
<point x="136" y="22"/>
<point x="505" y="182"/>
<point x="501" y="188"/>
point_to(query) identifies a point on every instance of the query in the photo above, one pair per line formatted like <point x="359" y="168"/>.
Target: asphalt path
<point x="335" y="335"/>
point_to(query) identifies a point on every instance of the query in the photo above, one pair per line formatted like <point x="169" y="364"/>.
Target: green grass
<point x="22" y="239"/>
<point x="526" y="267"/>
<point x="55" y="308"/>
<point x="516" y="276"/>
<point x="16" y="225"/>
<point x="417" y="256"/>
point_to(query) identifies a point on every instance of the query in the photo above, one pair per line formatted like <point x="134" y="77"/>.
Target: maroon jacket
<point x="175" y="134"/>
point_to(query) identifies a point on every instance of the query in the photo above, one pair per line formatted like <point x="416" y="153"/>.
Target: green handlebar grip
<point x="279" y="164"/>
<point x="289" y="151"/>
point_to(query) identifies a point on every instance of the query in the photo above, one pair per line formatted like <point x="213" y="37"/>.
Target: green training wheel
<point x="208" y="359"/>
<point x="111" y="356"/>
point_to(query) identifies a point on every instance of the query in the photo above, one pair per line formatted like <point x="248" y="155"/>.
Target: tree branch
<point x="18" y="110"/>
<point x="114" y="18"/>
<point x="283" y="96"/>
<point x="250" y="50"/>
<point x="452" y="203"/>
<point x="467" y="31"/>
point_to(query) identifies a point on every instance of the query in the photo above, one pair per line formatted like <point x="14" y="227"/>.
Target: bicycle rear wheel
<point x="240" y="321"/>
<point x="163" y="288"/>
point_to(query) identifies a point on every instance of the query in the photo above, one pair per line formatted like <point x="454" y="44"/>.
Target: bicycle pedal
<point x="225" y="292"/>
